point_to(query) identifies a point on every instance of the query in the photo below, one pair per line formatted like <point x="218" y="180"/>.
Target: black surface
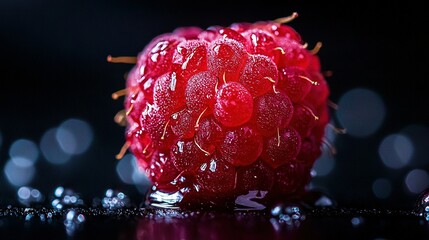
<point x="320" y="223"/>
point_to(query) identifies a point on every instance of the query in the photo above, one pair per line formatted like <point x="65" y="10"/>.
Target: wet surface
<point x="280" y="222"/>
<point x="65" y="214"/>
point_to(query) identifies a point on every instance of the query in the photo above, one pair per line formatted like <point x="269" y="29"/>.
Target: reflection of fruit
<point x="215" y="113"/>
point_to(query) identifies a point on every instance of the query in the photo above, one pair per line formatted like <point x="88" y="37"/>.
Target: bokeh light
<point x="418" y="135"/>
<point x="361" y="111"/>
<point x="1" y="140"/>
<point x="324" y="164"/>
<point x="396" y="151"/>
<point x="18" y="175"/>
<point x="51" y="149"/>
<point x="24" y="152"/>
<point x="125" y="169"/>
<point x="382" y="188"/>
<point x="417" y="180"/>
<point x="74" y="136"/>
<point x="130" y="173"/>
<point x="28" y="195"/>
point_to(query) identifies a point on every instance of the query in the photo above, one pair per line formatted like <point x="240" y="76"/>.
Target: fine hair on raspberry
<point x="211" y="114"/>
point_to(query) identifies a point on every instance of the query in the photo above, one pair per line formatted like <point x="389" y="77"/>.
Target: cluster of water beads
<point x="422" y="205"/>
<point x="115" y="199"/>
<point x="66" y="198"/>
<point x="289" y="214"/>
<point x="68" y="206"/>
<point x="73" y="221"/>
<point x="28" y="196"/>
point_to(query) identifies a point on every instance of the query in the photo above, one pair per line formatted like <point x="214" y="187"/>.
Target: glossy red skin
<point x="215" y="113"/>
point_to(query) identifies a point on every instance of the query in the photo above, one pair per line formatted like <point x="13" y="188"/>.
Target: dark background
<point x="54" y="68"/>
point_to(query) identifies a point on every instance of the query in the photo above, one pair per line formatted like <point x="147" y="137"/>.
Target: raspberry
<point x="214" y="113"/>
<point x="234" y="104"/>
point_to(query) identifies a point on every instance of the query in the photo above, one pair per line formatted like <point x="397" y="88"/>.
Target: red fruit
<point x="217" y="177"/>
<point x="191" y="57"/>
<point x="209" y="134"/>
<point x="282" y="147"/>
<point x="234" y="104"/>
<point x="318" y="95"/>
<point x="183" y="124"/>
<point x="291" y="53"/>
<point x="226" y="58"/>
<point x="214" y="113"/>
<point x="295" y="82"/>
<point x="260" y="41"/>
<point x="272" y="111"/>
<point x="158" y="54"/>
<point x="187" y="156"/>
<point x="291" y="177"/>
<point x="256" y="176"/>
<point x="200" y="92"/>
<point x="259" y="74"/>
<point x="231" y="34"/>
<point x="135" y="104"/>
<point x="303" y="120"/>
<point x="169" y="93"/>
<point x="241" y="146"/>
<point x="161" y="169"/>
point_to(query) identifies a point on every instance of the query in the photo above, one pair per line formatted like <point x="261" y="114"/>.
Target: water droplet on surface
<point x="291" y="214"/>
<point x="66" y="198"/>
<point x="73" y="221"/>
<point x="357" y="221"/>
<point x="164" y="200"/>
<point x="28" y="217"/>
<point x="422" y="205"/>
<point x="115" y="199"/>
